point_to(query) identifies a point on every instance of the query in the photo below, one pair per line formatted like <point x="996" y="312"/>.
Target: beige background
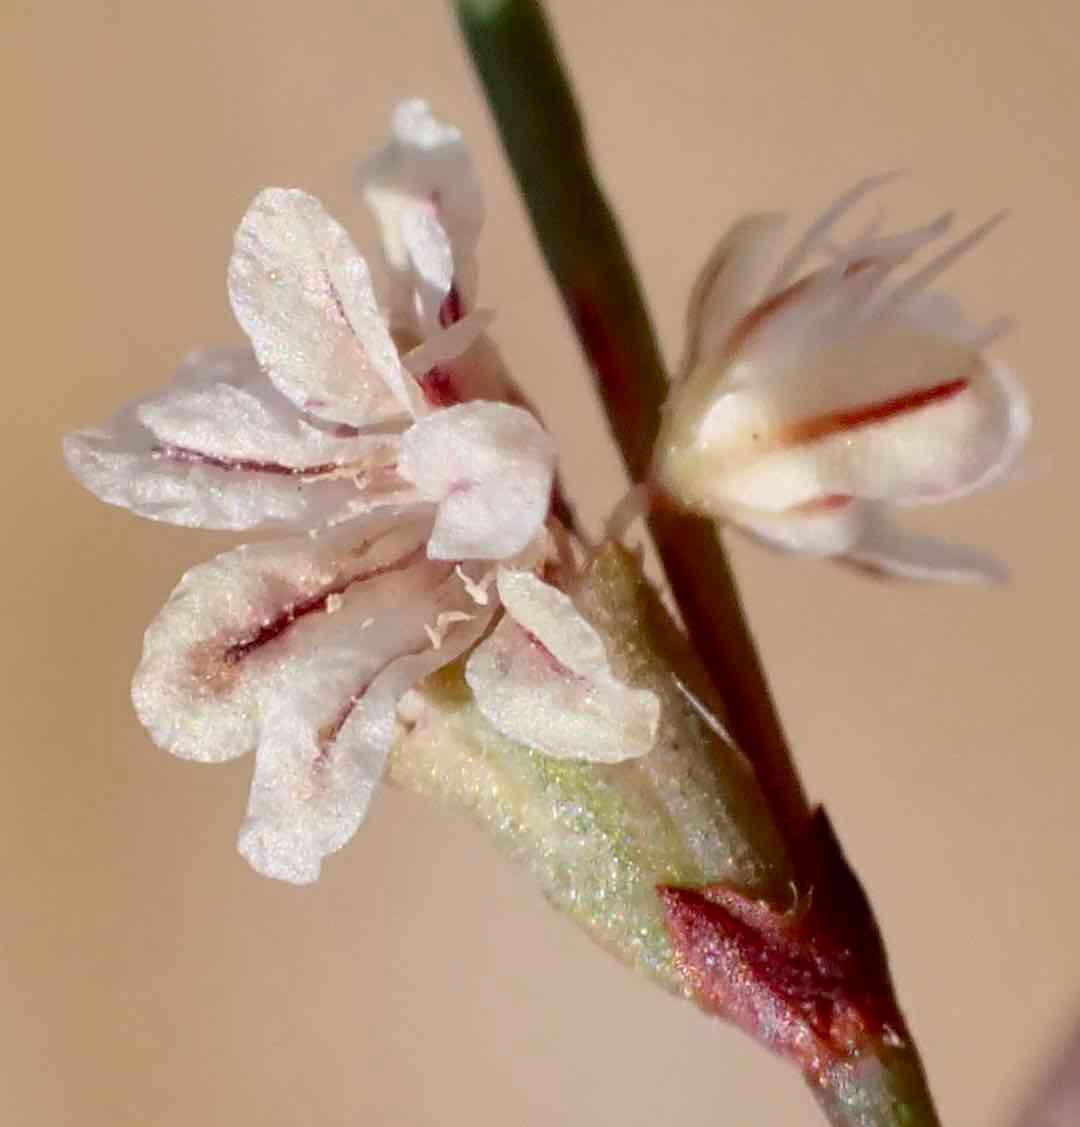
<point x="148" y="976"/>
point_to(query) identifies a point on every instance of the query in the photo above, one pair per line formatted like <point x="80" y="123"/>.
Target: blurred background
<point x="148" y="975"/>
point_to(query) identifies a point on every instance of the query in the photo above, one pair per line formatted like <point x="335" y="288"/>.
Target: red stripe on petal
<point x="313" y="604"/>
<point x="752" y="320"/>
<point x="822" y="426"/>
<point x="329" y="733"/>
<point x="744" y="329"/>
<point x="250" y="465"/>
<point x="550" y="660"/>
<point x="826" y="503"/>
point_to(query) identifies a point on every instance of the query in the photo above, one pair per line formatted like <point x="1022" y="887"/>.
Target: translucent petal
<point x="489" y="468"/>
<point x="431" y="261"/>
<point x="425" y="162"/>
<point x="446" y="344"/>
<point x="476" y="372"/>
<point x="542" y="677"/>
<point x="826" y="529"/>
<point x="730" y="283"/>
<point x="303" y="294"/>
<point x="884" y="548"/>
<point x="218" y="447"/>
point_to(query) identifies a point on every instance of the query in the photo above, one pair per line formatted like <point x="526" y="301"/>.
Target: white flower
<point x="403" y="502"/>
<point x="811" y="404"/>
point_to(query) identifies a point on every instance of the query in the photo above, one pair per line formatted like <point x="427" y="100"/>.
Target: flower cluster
<point x="384" y="434"/>
<point x="812" y="401"/>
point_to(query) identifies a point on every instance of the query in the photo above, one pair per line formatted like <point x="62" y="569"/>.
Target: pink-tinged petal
<point x="221" y="405"/>
<point x="543" y="677"/>
<point x="489" y="468"/>
<point x="219" y="447"/>
<point x="825" y="526"/>
<point x="431" y="262"/>
<point x="461" y="363"/>
<point x="476" y="372"/>
<point x="269" y="623"/>
<point x="426" y="163"/>
<point x="303" y="804"/>
<point x="304" y="296"/>
<point x="316" y="770"/>
<point x="885" y="549"/>
<point x="730" y="282"/>
<point x="445" y="345"/>
<point x="942" y="314"/>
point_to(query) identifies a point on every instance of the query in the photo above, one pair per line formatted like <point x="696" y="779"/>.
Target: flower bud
<point x="811" y="403"/>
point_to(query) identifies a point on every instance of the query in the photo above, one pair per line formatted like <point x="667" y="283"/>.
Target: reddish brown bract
<point x="811" y="982"/>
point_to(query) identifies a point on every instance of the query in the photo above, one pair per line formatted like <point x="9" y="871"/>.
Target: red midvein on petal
<point x="329" y="733"/>
<point x="822" y="426"/>
<point x="750" y="321"/>
<point x="552" y="662"/>
<point x="197" y="457"/>
<point x="275" y="627"/>
<point x="745" y="328"/>
<point x="826" y="503"/>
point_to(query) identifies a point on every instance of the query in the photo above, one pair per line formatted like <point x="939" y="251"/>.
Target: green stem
<point x="517" y="60"/>
<point x="516" y="57"/>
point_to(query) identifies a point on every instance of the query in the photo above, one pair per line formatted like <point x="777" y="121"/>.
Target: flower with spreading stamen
<point x="301" y="649"/>
<point x="810" y="404"/>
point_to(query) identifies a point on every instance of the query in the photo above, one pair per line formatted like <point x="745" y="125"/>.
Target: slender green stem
<point x="518" y="63"/>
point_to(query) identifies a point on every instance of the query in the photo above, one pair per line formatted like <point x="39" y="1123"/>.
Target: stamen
<point x="448" y="618"/>
<point x="859" y="246"/>
<point x="933" y="269"/>
<point x="635" y="503"/>
<point x="901" y="245"/>
<point x="799" y="253"/>
<point x="564" y="547"/>
<point x="477" y="590"/>
<point x="447" y="343"/>
<point x="991" y="332"/>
